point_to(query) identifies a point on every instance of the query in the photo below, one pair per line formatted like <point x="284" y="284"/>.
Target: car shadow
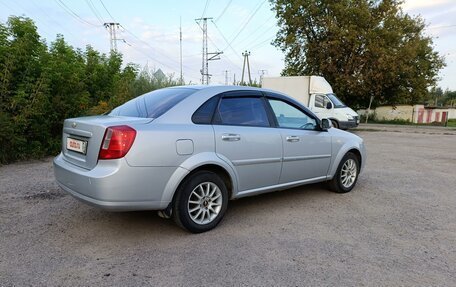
<point x="138" y="224"/>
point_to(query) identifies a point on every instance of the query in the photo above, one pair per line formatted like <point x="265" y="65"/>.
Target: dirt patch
<point x="46" y="195"/>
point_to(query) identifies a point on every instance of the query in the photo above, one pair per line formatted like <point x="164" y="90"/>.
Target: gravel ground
<point x="397" y="227"/>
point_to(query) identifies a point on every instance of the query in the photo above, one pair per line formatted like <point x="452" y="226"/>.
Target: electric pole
<point x="180" y="40"/>
<point x="262" y="73"/>
<point x="246" y="61"/>
<point x="112" y="27"/>
<point x="206" y="56"/>
<point x="226" y="77"/>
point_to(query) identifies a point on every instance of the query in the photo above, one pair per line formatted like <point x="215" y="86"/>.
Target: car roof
<point x="231" y="88"/>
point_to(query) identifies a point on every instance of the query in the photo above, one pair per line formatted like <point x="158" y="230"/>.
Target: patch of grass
<point x="451" y="123"/>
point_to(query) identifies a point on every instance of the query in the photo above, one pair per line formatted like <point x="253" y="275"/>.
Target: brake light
<point x="117" y="141"/>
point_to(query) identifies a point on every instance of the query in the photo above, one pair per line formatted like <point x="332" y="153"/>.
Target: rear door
<point x="306" y="150"/>
<point x="244" y="136"/>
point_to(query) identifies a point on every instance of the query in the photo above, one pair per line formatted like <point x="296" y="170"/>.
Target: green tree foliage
<point x="41" y="85"/>
<point x="363" y="48"/>
<point x="449" y="98"/>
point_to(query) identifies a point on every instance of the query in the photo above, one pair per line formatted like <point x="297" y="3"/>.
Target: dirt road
<point x="397" y="227"/>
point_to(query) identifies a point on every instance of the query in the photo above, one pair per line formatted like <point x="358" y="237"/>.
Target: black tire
<point x="335" y="124"/>
<point x="336" y="184"/>
<point x="181" y="203"/>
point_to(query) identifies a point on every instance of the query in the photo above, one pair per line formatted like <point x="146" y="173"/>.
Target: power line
<point x="95" y="11"/>
<point x="223" y="12"/>
<point x="246" y="23"/>
<point x="106" y="9"/>
<point x="53" y="22"/>
<point x="147" y="44"/>
<point x="205" y="8"/>
<point x="226" y="40"/>
<point x="225" y="56"/>
<point x="268" y="29"/>
<point x="262" y="43"/>
<point x="155" y="60"/>
<point x="154" y="49"/>
<point x="74" y="14"/>
<point x="439" y="27"/>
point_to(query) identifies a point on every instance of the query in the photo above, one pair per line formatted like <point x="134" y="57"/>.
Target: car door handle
<point x="292" y="138"/>
<point x="231" y="137"/>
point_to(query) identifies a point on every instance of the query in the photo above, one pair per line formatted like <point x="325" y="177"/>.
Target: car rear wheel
<point x="200" y="202"/>
<point x="346" y="175"/>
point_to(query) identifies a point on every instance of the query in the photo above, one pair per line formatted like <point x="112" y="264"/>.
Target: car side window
<point x="242" y="111"/>
<point x="289" y="116"/>
<point x="319" y="101"/>
<point x="204" y="113"/>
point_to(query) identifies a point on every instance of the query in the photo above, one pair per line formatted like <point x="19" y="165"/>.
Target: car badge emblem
<point x="74" y="125"/>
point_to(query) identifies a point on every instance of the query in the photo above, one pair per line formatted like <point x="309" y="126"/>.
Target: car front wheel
<point x="200" y="202"/>
<point x="346" y="175"/>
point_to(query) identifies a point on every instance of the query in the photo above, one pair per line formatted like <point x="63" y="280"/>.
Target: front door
<point x="318" y="105"/>
<point x="306" y="150"/>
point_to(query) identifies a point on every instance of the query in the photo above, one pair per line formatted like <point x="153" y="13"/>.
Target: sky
<point x="150" y="32"/>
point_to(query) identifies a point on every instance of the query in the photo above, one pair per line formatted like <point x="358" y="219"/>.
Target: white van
<point x="316" y="94"/>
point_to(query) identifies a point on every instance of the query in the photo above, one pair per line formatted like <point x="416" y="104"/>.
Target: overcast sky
<point x="151" y="31"/>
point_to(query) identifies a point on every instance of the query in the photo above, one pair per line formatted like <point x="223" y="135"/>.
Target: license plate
<point x="76" y="145"/>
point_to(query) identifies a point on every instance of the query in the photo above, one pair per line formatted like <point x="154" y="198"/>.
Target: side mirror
<point x="325" y="124"/>
<point x="329" y="105"/>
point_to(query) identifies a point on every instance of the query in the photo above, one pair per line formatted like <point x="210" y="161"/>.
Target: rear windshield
<point x="153" y="104"/>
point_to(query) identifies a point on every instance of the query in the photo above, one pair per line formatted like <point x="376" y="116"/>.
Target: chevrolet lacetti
<point x="186" y="151"/>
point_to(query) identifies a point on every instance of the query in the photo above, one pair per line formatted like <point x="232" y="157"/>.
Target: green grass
<point x="451" y="123"/>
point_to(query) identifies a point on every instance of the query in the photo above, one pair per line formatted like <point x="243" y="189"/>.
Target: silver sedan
<point x="186" y="151"/>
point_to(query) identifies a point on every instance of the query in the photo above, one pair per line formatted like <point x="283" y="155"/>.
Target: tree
<point x="41" y="85"/>
<point x="450" y="98"/>
<point x="363" y="48"/>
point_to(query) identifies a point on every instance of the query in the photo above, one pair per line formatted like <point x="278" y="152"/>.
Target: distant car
<point x="186" y="151"/>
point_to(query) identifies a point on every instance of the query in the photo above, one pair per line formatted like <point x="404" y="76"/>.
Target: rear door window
<point x="242" y="111"/>
<point x="203" y="114"/>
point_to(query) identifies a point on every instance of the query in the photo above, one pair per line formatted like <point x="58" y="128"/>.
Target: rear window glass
<point x="153" y="104"/>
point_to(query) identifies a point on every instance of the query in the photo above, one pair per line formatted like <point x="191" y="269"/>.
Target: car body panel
<point x="256" y="156"/>
<point x="114" y="182"/>
<point x="306" y="158"/>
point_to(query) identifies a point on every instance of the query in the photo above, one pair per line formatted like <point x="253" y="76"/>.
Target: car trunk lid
<point x="82" y="137"/>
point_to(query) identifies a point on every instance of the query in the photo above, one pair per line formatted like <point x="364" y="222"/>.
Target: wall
<point x="415" y="114"/>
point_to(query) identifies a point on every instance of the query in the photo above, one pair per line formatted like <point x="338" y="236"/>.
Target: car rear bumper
<point x="114" y="185"/>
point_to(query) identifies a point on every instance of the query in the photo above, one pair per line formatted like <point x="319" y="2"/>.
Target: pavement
<point x="396" y="228"/>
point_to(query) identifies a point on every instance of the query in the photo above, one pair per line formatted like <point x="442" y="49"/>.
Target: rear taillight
<point x="117" y="141"/>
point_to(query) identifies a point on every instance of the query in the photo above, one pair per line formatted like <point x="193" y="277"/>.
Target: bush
<point x="41" y="85"/>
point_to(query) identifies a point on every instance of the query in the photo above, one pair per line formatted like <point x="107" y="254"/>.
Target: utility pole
<point x="246" y="61"/>
<point x="180" y="41"/>
<point x="206" y="56"/>
<point x="112" y="27"/>
<point x="226" y="77"/>
<point x="262" y="73"/>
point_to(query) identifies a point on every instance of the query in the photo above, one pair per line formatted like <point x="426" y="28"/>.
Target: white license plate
<point x="76" y="145"/>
